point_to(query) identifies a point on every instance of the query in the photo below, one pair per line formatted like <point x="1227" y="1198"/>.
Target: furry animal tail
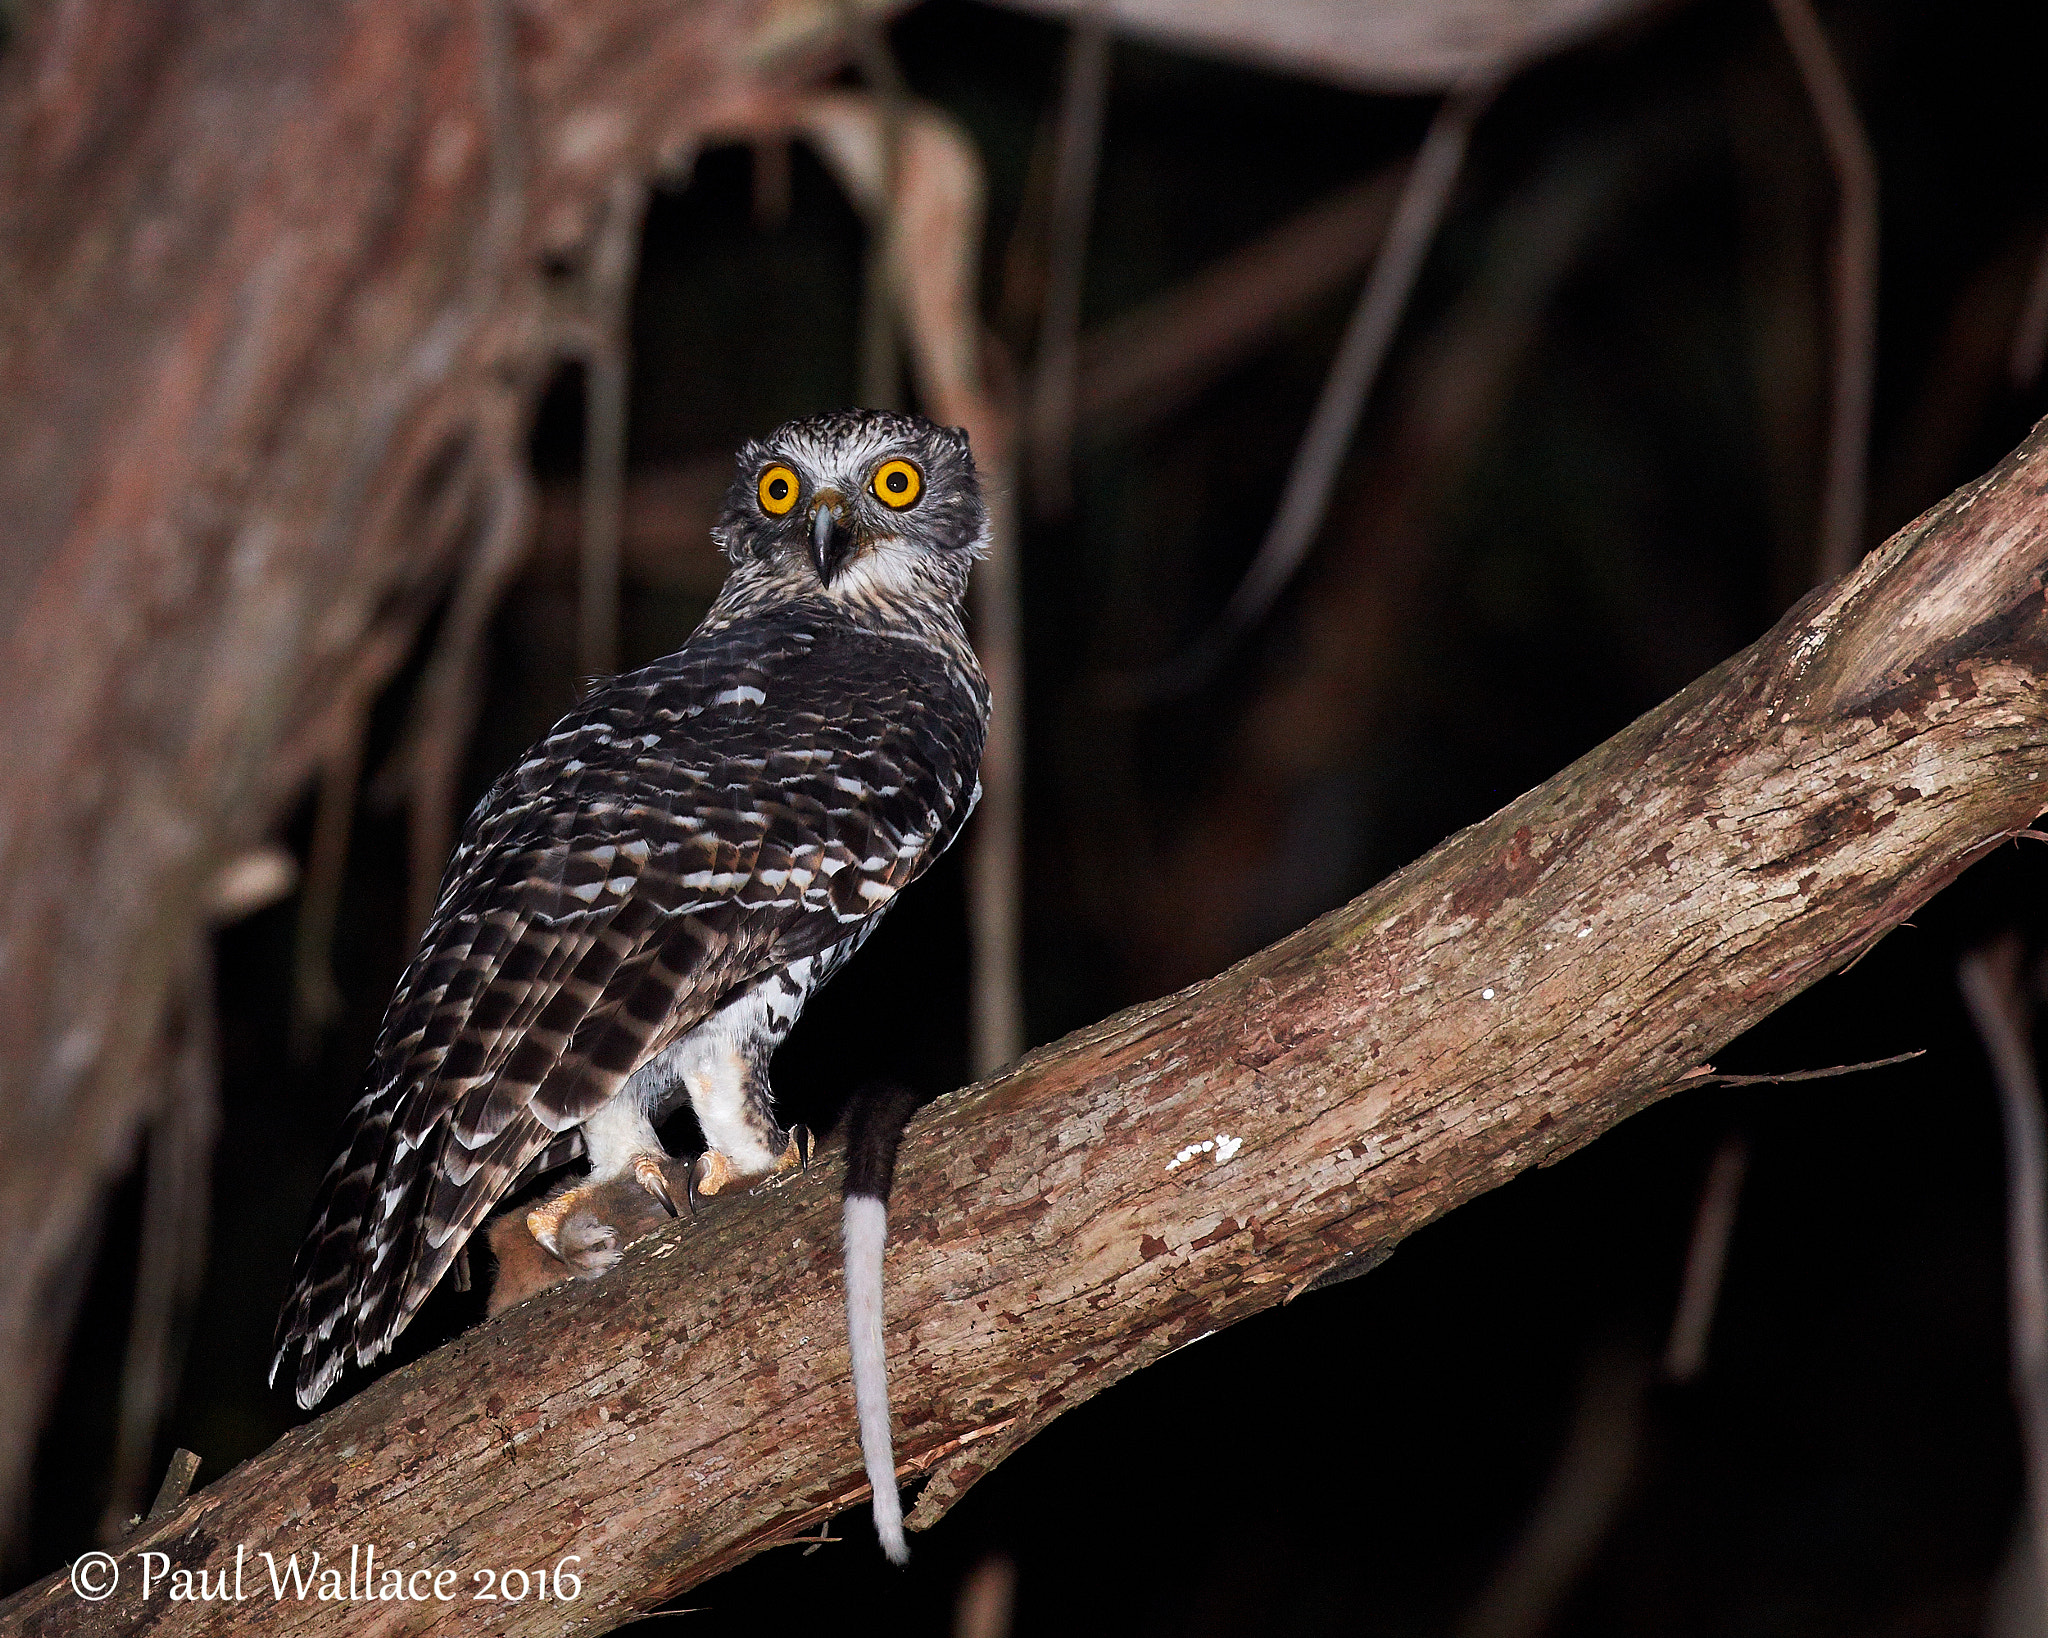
<point x="875" y="1128"/>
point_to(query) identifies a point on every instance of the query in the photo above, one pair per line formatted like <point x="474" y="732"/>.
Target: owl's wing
<point x="674" y="839"/>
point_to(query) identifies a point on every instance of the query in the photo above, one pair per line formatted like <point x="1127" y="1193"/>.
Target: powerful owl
<point x="638" y="911"/>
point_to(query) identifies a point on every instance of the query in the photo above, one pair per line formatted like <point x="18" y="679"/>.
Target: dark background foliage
<point x="1627" y="493"/>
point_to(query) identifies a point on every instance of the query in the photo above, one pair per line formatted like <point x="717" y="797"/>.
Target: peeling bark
<point x="1531" y="982"/>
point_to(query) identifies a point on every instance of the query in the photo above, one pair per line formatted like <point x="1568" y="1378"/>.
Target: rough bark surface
<point x="1186" y="1164"/>
<point x="278" y="283"/>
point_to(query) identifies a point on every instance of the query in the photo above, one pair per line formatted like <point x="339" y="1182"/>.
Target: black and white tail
<point x="874" y="1129"/>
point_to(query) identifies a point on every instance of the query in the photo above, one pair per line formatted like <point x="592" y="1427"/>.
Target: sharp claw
<point x="546" y="1232"/>
<point x="800" y="1135"/>
<point x="690" y="1186"/>
<point x="648" y="1174"/>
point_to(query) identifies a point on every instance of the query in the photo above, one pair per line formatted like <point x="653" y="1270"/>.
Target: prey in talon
<point x="621" y="1200"/>
<point x="637" y="912"/>
<point x="579" y="1231"/>
<point x="583" y="1233"/>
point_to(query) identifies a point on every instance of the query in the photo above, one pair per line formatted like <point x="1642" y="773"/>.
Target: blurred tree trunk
<point x="1534" y="980"/>
<point x="278" y="284"/>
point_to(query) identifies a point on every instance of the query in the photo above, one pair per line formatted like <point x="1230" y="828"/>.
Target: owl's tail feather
<point x="875" y="1129"/>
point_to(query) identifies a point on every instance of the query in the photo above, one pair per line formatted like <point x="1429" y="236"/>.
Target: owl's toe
<point x="713" y="1173"/>
<point x="651" y="1173"/>
<point x="544" y="1223"/>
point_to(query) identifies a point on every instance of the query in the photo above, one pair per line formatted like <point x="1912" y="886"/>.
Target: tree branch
<point x="1186" y="1164"/>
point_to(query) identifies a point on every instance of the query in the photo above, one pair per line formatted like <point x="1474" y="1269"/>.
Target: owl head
<point x="869" y="507"/>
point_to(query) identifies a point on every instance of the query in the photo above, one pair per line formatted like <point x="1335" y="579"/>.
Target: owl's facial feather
<point x="839" y="536"/>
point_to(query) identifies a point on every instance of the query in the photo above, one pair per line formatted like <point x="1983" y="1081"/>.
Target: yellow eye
<point x="777" y="490"/>
<point x="898" y="483"/>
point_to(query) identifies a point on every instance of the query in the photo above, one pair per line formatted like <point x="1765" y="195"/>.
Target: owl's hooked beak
<point x="832" y="538"/>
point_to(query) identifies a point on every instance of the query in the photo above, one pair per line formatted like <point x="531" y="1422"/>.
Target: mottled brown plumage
<point x="637" y="912"/>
